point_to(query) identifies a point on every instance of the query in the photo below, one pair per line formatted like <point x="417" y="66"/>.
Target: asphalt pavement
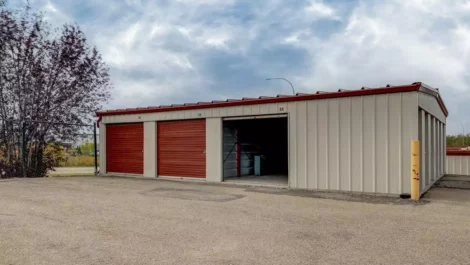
<point x="93" y="220"/>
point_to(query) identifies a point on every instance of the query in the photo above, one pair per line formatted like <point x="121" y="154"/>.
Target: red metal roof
<point x="418" y="86"/>
<point x="458" y="152"/>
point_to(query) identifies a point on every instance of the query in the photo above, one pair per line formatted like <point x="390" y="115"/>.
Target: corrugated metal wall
<point x="458" y="165"/>
<point x="352" y="144"/>
<point x="432" y="140"/>
<point x="230" y="155"/>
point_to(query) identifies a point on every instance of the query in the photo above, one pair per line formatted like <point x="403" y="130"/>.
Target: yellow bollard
<point x="415" y="170"/>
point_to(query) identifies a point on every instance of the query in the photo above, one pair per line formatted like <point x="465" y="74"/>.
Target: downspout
<point x="99" y="120"/>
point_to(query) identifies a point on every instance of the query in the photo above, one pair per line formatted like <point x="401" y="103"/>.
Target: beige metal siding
<point x="345" y="169"/>
<point x="323" y="174"/>
<point x="395" y="143"/>
<point x="352" y="144"/>
<point x="458" y="165"/>
<point x="432" y="140"/>
<point x="214" y="150"/>
<point x="430" y="105"/>
<point x="363" y="143"/>
<point x="368" y="131"/>
<point x="150" y="149"/>
<point x="357" y="144"/>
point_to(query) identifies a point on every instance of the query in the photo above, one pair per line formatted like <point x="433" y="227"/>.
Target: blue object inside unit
<point x="257" y="166"/>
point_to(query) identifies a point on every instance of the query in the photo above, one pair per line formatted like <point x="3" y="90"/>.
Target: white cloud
<point x="162" y="52"/>
<point x="50" y="7"/>
<point x="321" y="10"/>
<point x="398" y="42"/>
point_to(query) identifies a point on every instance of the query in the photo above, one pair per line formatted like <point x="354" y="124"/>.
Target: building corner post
<point x="415" y="170"/>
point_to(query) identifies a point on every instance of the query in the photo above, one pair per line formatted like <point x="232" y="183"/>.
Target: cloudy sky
<point x="176" y="51"/>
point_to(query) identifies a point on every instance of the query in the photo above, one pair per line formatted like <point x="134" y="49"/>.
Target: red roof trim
<point x="458" y="152"/>
<point x="266" y="100"/>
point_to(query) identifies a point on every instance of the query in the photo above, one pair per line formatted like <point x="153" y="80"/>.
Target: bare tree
<point x="48" y="80"/>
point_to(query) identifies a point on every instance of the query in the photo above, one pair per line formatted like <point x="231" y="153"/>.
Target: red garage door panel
<point x="124" y="146"/>
<point x="181" y="148"/>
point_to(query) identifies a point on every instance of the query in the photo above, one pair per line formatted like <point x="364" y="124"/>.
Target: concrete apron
<point x="454" y="181"/>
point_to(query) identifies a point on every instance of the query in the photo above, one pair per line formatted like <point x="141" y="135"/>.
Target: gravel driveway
<point x="92" y="220"/>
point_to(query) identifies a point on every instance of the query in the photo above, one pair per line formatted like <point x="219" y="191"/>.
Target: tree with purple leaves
<point x="50" y="79"/>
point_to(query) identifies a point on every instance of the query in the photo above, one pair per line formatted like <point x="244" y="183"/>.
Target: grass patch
<point x="79" y="161"/>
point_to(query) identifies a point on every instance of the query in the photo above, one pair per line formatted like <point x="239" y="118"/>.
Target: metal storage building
<point x="348" y="140"/>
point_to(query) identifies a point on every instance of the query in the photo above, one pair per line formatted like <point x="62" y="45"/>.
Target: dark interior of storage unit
<point x="250" y="140"/>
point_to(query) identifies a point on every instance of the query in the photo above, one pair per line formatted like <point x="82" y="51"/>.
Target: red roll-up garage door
<point x="181" y="147"/>
<point x="124" y="148"/>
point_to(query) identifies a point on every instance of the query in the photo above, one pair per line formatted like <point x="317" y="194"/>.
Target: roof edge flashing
<point x="417" y="86"/>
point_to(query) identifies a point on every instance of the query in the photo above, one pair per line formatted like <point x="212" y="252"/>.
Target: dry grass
<point x="79" y="161"/>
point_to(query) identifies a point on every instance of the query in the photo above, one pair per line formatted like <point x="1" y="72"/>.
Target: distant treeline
<point x="458" y="140"/>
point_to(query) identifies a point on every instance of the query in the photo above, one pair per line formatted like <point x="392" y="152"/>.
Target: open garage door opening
<point x="255" y="150"/>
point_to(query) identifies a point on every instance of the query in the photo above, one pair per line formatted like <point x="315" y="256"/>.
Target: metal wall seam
<point x="344" y="143"/>
<point x="293" y="146"/>
<point x="438" y="145"/>
<point x="333" y="135"/>
<point x="400" y="147"/>
<point x="423" y="148"/>
<point x="387" y="161"/>
<point x="306" y="143"/>
<point x="374" y="147"/>
<point x="429" y="148"/>
<point x="468" y="162"/>
<point x="433" y="155"/>
<point x="316" y="145"/>
<point x="362" y="145"/>
<point x="338" y="142"/>
<point x="311" y="145"/>
<point x="445" y="142"/>
<point x="322" y="144"/>
<point x="459" y="163"/>
<point x="436" y="158"/>
<point x="327" y="175"/>
<point x="350" y="144"/>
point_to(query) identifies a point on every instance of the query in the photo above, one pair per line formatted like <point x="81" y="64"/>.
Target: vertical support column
<point x="435" y="157"/>
<point x="438" y="149"/>
<point x="415" y="177"/>
<point x="444" y="153"/>
<point x="95" y="148"/>
<point x="445" y="146"/>
<point x="102" y="149"/>
<point x="150" y="149"/>
<point x="214" y="150"/>
<point x="423" y="146"/>
<point x="429" y="152"/>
